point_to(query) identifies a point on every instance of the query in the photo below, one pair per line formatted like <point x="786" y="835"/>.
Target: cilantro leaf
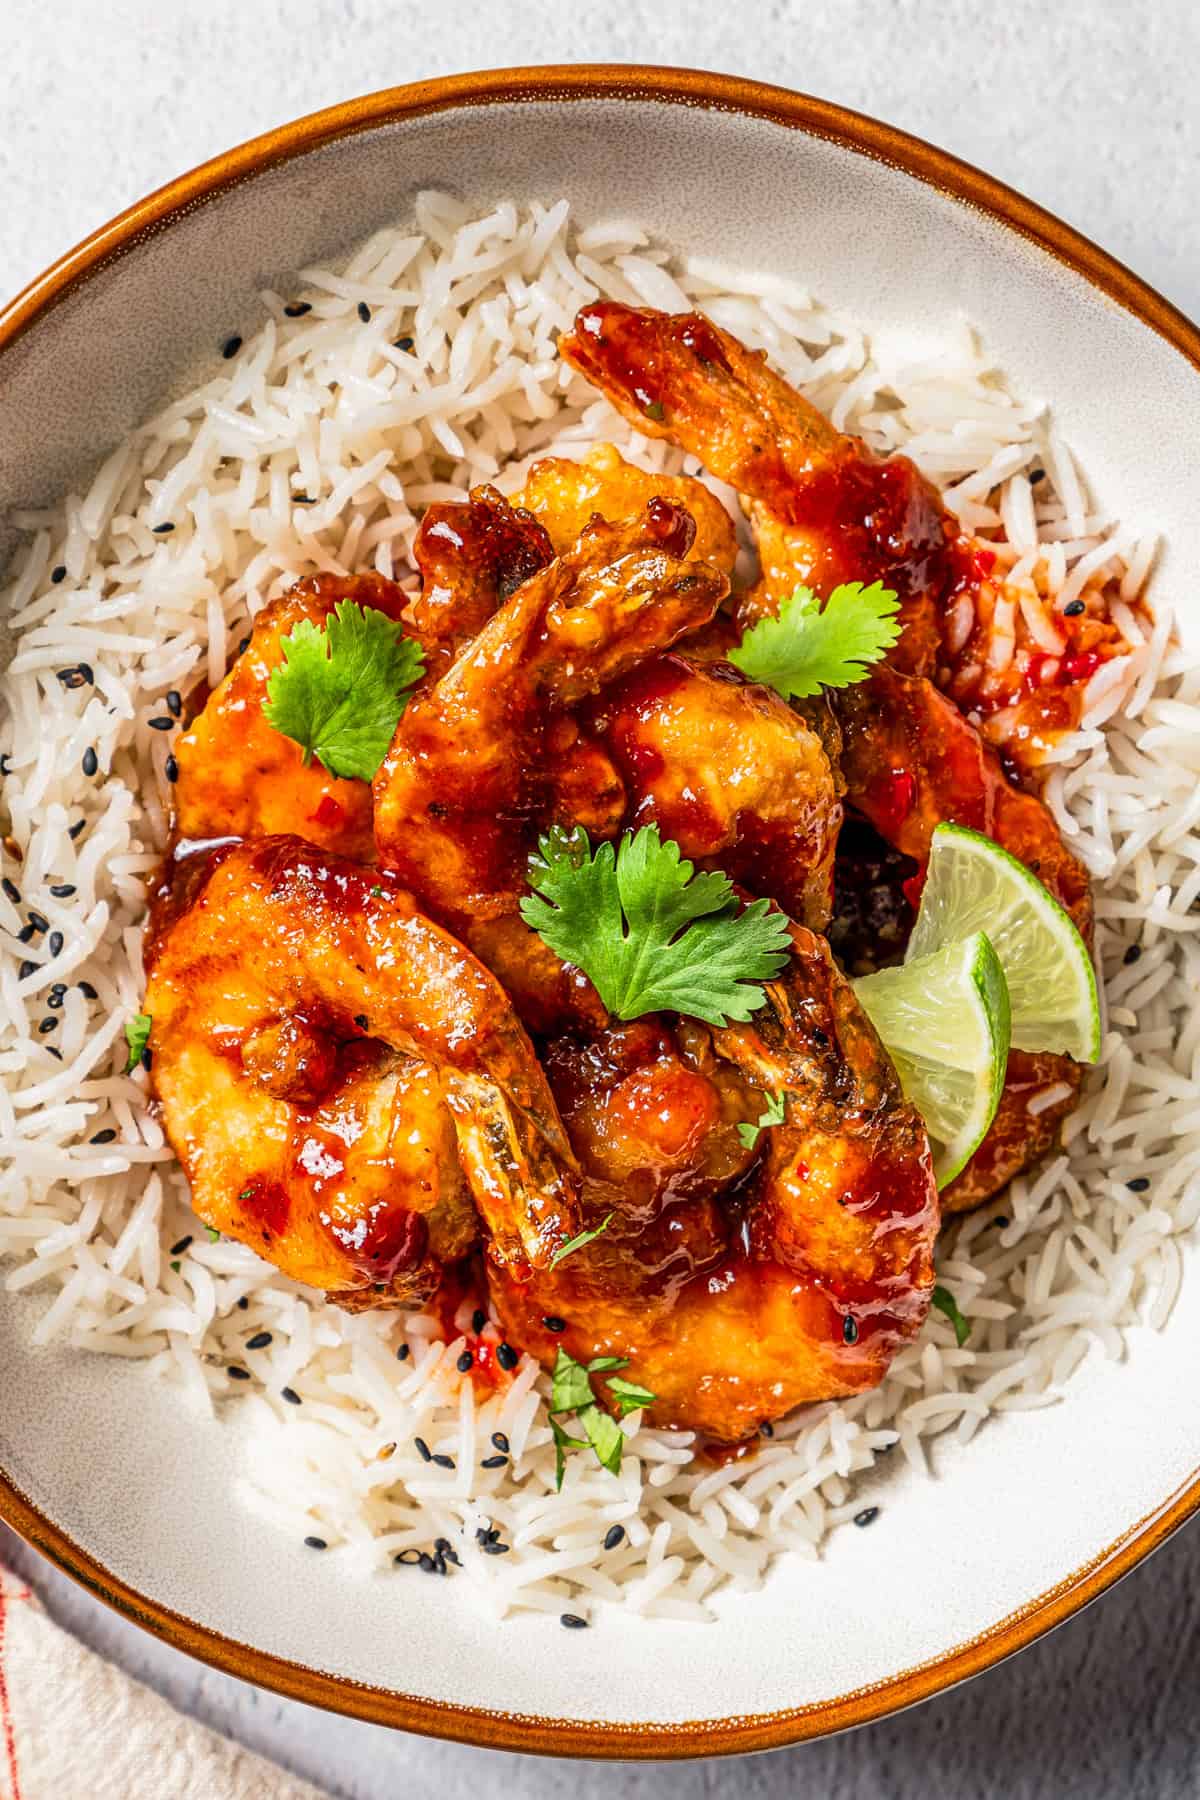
<point x="570" y="1387"/>
<point x="773" y="1113"/>
<point x="650" y="933"/>
<point x="808" y="646"/>
<point x="572" y="1392"/>
<point x="341" y="688"/>
<point x="213" y="1235"/>
<point x="945" y="1302"/>
<point x="563" y="1442"/>
<point x="604" y="1435"/>
<point x="578" y="1241"/>
<point x="137" y="1036"/>
<point x="628" y="1395"/>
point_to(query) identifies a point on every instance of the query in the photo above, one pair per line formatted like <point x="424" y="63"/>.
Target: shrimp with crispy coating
<point x="344" y="1083"/>
<point x="484" y="752"/>
<point x="740" y="1279"/>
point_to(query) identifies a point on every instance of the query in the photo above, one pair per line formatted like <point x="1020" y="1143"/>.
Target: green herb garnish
<point x="572" y="1392"/>
<point x="651" y="934"/>
<point x="175" y="1264"/>
<point x="807" y="646"/>
<point x="773" y="1113"/>
<point x="342" y="687"/>
<point x="214" y="1236"/>
<point x="945" y="1302"/>
<point x="137" y="1036"/>
<point x="579" y="1240"/>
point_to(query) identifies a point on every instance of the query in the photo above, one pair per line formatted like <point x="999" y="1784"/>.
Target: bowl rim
<point x="959" y="181"/>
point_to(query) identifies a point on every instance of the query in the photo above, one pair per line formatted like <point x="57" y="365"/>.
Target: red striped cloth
<point x="75" y="1727"/>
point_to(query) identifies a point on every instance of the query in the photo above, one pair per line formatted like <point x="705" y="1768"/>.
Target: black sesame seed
<point x="71" y="678"/>
<point x="27" y="968"/>
<point x="106" y="1137"/>
<point x="1001" y="1222"/>
<point x="51" y="1051"/>
<point x="48" y="1025"/>
<point x="494" y="1549"/>
<point x="506" y="1356"/>
<point x="1132" y="955"/>
<point x="12" y="890"/>
<point x="1038" y="475"/>
<point x="59" y="988"/>
<point x="402" y="1353"/>
<point x="6" y="765"/>
<point x="766" y="1429"/>
<point x="478" y="1320"/>
<point x="163" y="530"/>
<point x="174" y="702"/>
<point x="442" y="1460"/>
<point x="482" y="1534"/>
<point x="230" y="347"/>
<point x="407" y="1559"/>
<point x="76" y="828"/>
<point x="867" y="1516"/>
<point x="422" y="1449"/>
<point x="404" y="343"/>
<point x="62" y="890"/>
<point x="243" y="1302"/>
<point x="164" y="722"/>
<point x="1072" y="609"/>
<point x="259" y="1341"/>
<point x="465" y="1362"/>
<point x="38" y="921"/>
<point x="500" y="1441"/>
<point x="87" y="990"/>
<point x="442" y="1544"/>
<point x="55" y="942"/>
<point x="849" y="1330"/>
<point x="450" y="1556"/>
<point x="364" y="312"/>
<point x="296" y="309"/>
<point x="613" y="1536"/>
<point x="243" y="646"/>
<point x="303" y="500"/>
<point x="554" y="1323"/>
<point x="171" y="769"/>
<point x="426" y="1562"/>
<point x="290" y="1395"/>
<point x="237" y="1372"/>
<point x="178" y="1248"/>
<point x="59" y="574"/>
<point x="316" y="1543"/>
<point x="573" y="1622"/>
<point x="147" y="1058"/>
<point x="1139" y="1184"/>
<point x="54" y="1001"/>
<point x="91" y="762"/>
<point x="494" y="1462"/>
<point x="25" y="933"/>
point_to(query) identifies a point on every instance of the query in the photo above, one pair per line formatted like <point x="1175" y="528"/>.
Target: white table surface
<point x="1089" y="106"/>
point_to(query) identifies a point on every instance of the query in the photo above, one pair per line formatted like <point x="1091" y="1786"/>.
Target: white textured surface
<point x="1092" y="115"/>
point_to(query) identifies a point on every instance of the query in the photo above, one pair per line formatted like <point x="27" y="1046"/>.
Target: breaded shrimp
<point x="340" y="1078"/>
<point x="565" y="496"/>
<point x="756" y="1288"/>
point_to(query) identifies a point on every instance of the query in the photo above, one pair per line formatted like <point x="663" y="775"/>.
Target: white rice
<point x="326" y="406"/>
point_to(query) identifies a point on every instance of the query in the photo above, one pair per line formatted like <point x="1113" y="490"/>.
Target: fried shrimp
<point x="732" y="773"/>
<point x="472" y="555"/>
<point x="341" y="1080"/>
<point x="740" y="1280"/>
<point x="565" y="496"/>
<point x="491" y="747"/>
<point x="238" y="778"/>
<point x="825" y="509"/>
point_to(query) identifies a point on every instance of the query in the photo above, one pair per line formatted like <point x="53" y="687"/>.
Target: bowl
<point x="100" y="1468"/>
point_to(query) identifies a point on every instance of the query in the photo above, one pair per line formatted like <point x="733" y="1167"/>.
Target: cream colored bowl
<point x="103" y="1469"/>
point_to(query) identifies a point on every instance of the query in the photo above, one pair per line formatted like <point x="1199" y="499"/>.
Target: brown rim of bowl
<point x="959" y="181"/>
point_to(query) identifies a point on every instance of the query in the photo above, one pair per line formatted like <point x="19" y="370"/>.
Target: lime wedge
<point x="974" y="885"/>
<point x="944" y="1021"/>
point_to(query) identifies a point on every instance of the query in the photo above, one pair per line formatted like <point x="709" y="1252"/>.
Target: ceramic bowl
<point x="105" y="1471"/>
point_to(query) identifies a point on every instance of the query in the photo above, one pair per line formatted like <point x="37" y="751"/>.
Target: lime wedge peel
<point x="973" y="885"/>
<point x="945" y="1021"/>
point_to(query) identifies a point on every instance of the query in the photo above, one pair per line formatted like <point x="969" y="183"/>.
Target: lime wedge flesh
<point x="944" y="1020"/>
<point x="973" y="885"/>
